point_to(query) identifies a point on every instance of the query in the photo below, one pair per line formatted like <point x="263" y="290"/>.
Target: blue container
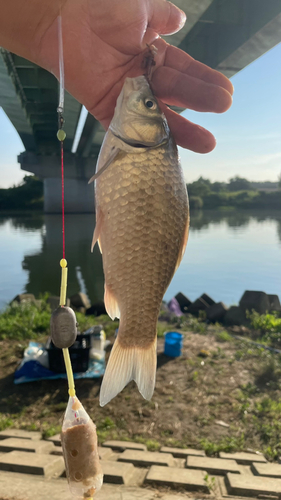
<point x="173" y="344"/>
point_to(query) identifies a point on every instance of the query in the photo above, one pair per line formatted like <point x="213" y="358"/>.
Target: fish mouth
<point x="141" y="145"/>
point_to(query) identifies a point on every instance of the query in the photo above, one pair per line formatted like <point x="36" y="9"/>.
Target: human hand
<point x="104" y="42"/>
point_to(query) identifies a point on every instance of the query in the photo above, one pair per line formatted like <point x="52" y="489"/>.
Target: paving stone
<point x="57" y="450"/>
<point x="18" y="433"/>
<point x="116" y="472"/>
<point x="174" y="477"/>
<point x="27" y="487"/>
<point x="55" y="439"/>
<point x="252" y="486"/>
<point x="243" y="458"/>
<point x="24" y="462"/>
<point x="124" y="445"/>
<point x="104" y="453"/>
<point x="147" y="458"/>
<point x="182" y="452"/>
<point x="213" y="465"/>
<point x="11" y="444"/>
<point x="269" y="470"/>
<point x="173" y="497"/>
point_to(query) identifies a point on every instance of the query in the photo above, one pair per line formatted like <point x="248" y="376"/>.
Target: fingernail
<point x="183" y="18"/>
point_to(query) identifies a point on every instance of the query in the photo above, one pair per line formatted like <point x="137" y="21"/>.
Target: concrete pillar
<point x="79" y="195"/>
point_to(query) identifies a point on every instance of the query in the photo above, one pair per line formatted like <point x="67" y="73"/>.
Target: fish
<point x="142" y="223"/>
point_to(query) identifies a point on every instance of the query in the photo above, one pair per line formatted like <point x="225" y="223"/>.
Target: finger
<point x="188" y="135"/>
<point x="177" y="89"/>
<point x="179" y="60"/>
<point x="164" y="17"/>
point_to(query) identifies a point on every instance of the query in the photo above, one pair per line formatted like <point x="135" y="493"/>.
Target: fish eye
<point x="150" y="104"/>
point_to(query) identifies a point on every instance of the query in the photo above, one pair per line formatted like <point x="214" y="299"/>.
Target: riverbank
<point x="238" y="193"/>
<point x="222" y="394"/>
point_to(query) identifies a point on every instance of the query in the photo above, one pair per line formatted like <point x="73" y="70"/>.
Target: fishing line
<point x="85" y="482"/>
<point x="61" y="135"/>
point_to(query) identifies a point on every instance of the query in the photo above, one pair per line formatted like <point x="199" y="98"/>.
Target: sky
<point x="248" y="135"/>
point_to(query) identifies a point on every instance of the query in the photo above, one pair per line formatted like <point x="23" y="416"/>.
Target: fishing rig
<point x="78" y="436"/>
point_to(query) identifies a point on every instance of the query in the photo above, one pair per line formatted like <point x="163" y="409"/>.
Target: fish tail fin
<point x="126" y="364"/>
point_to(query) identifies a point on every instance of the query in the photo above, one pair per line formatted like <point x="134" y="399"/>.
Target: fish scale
<point x="142" y="221"/>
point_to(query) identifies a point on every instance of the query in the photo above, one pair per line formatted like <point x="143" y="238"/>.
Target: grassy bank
<point x="217" y="378"/>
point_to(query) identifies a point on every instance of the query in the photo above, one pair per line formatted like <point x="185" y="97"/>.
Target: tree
<point x="202" y="187"/>
<point x="239" y="184"/>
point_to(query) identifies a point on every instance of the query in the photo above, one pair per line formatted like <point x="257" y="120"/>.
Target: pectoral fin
<point x="113" y="154"/>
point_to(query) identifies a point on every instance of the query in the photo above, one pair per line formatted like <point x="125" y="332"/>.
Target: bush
<point x="268" y="324"/>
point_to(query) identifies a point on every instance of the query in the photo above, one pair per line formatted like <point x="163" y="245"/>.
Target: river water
<point x="227" y="253"/>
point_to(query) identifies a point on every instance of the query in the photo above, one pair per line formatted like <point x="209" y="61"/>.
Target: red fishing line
<point x="62" y="200"/>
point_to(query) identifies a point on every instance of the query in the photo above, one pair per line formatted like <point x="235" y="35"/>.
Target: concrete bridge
<point x="225" y="34"/>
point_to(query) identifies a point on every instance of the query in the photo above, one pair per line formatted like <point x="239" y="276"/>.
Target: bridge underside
<point x="224" y="34"/>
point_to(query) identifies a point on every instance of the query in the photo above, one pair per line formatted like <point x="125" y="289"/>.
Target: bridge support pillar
<point x="79" y="195"/>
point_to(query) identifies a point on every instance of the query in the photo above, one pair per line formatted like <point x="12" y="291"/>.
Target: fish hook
<point x="148" y="61"/>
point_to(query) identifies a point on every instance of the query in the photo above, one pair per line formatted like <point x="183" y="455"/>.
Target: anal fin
<point x="110" y="303"/>
<point x="126" y="364"/>
<point x="97" y="231"/>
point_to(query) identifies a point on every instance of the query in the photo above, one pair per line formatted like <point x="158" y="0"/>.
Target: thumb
<point x="164" y="17"/>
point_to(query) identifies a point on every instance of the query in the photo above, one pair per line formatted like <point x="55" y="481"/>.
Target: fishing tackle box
<point x="78" y="352"/>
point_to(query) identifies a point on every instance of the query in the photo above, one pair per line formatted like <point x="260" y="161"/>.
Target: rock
<point x="81" y="310"/>
<point x="258" y="301"/>
<point x="23" y="297"/>
<point x="204" y="353"/>
<point x="221" y="423"/>
<point x="274" y="303"/>
<point x="183" y="301"/>
<point x="174" y="307"/>
<point x="96" y="309"/>
<point x="235" y="316"/>
<point x="80" y="300"/>
<point x="55" y="302"/>
<point x="198" y="305"/>
<point x="207" y="299"/>
<point x="216" y="312"/>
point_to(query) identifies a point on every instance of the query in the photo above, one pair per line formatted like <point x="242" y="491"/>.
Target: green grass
<point x="223" y="336"/>
<point x="50" y="431"/>
<point x="30" y="320"/>
<point x="226" y="444"/>
<point x="5" y="422"/>
<point x="25" y="321"/>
